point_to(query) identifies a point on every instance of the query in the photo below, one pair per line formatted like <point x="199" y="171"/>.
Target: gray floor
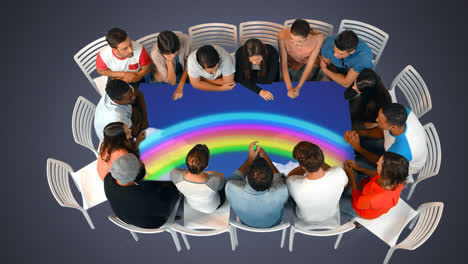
<point x="43" y="82"/>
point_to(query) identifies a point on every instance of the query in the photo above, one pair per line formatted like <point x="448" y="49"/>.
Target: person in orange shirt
<point x="380" y="192"/>
<point x="118" y="142"/>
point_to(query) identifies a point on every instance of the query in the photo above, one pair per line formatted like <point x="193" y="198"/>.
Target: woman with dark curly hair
<point x="118" y="142"/>
<point x="380" y="192"/>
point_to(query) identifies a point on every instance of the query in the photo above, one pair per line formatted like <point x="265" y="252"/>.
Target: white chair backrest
<point x="374" y="37"/>
<point x="86" y="59"/>
<point x="238" y="224"/>
<point x="414" y="89"/>
<point x="389" y="226"/>
<point x="82" y="123"/>
<point x="429" y="217"/>
<point x="58" y="173"/>
<point x="91" y="185"/>
<point x="434" y="153"/>
<point x="221" y="34"/>
<point x="267" y="32"/>
<point x="324" y="28"/>
<point x="218" y="219"/>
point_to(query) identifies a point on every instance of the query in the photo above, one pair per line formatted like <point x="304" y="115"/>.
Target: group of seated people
<point x="388" y="139"/>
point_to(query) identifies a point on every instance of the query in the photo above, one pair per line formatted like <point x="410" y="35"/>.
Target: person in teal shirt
<point x="344" y="56"/>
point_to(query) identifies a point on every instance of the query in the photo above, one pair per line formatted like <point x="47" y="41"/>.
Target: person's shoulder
<point x="283" y="34"/>
<point x="177" y="175"/>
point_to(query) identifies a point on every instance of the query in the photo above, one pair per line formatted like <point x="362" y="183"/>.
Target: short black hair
<point x="300" y="27"/>
<point x="115" y="36"/>
<point x="309" y="156"/>
<point x="347" y="41"/>
<point x="394" y="168"/>
<point x="260" y="175"/>
<point x="168" y="42"/>
<point x="197" y="159"/>
<point x="396" y="114"/>
<point x="115" y="89"/>
<point x="207" y="56"/>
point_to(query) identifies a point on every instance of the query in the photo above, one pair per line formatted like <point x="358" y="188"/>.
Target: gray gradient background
<point x="43" y="82"/>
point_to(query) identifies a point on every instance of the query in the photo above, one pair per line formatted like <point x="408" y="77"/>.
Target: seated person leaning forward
<point x="117" y="106"/>
<point x="203" y="190"/>
<point x="343" y="57"/>
<point x="117" y="142"/>
<point x="170" y="56"/>
<point x="210" y="68"/>
<point x="257" y="63"/>
<point x="379" y="192"/>
<point x="256" y="191"/>
<point x="315" y="187"/>
<point x="299" y="48"/>
<point x="145" y="204"/>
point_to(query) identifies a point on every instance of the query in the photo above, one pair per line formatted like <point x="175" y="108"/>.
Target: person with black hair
<point x="315" y="187"/>
<point x="371" y="97"/>
<point x="210" y="68"/>
<point x="379" y="192"/>
<point x="123" y="58"/>
<point x="257" y="63"/>
<point x="118" y="105"/>
<point x="170" y="56"/>
<point x="402" y="133"/>
<point x="117" y="142"/>
<point x="344" y="56"/>
<point x="203" y="190"/>
<point x="256" y="191"/>
<point x="299" y="48"/>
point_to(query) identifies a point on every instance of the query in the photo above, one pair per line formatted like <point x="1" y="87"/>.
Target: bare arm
<point x="310" y="64"/>
<point x="375" y="132"/>
<point x="205" y="85"/>
<point x="264" y="155"/>
<point x="178" y="93"/>
<point x="296" y="171"/>
<point x="171" y="75"/>
<point x="339" y="78"/>
<point x="284" y="63"/>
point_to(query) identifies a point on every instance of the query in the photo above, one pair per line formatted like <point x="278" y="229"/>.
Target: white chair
<point x="434" y="157"/>
<point x="220" y="34"/>
<point x="237" y="224"/>
<point x="164" y="228"/>
<point x="429" y="217"/>
<point x="149" y="41"/>
<point x="267" y="32"/>
<point x="389" y="226"/>
<point x="86" y="60"/>
<point x="324" y="28"/>
<point x="82" y="123"/>
<point x="374" y="37"/>
<point x="57" y="177"/>
<point x="213" y="224"/>
<point x="300" y="227"/>
<point x="413" y="87"/>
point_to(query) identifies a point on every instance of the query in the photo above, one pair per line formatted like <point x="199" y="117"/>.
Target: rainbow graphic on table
<point x="166" y="149"/>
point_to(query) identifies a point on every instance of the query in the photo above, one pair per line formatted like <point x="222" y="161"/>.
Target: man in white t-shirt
<point x="315" y="187"/>
<point x="402" y="132"/>
<point x="210" y="68"/>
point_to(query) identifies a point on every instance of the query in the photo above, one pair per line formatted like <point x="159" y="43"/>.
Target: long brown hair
<point x="115" y="139"/>
<point x="253" y="47"/>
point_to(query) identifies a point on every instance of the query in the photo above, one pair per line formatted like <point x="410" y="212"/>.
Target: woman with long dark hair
<point x="118" y="142"/>
<point x="371" y="97"/>
<point x="378" y="193"/>
<point x="257" y="63"/>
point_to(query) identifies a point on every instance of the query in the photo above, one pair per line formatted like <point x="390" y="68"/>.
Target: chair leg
<point x="86" y="215"/>
<point x="389" y="255"/>
<point x="291" y="238"/>
<point x="283" y="237"/>
<point x="175" y="238"/>
<point x="338" y="240"/>
<point x="184" y="237"/>
<point x="232" y="236"/>
<point x="235" y="235"/>
<point x="411" y="191"/>
<point x="413" y="222"/>
<point x="134" y="235"/>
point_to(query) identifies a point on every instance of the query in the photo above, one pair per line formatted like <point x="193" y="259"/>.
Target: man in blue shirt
<point x="344" y="56"/>
<point x="257" y="191"/>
